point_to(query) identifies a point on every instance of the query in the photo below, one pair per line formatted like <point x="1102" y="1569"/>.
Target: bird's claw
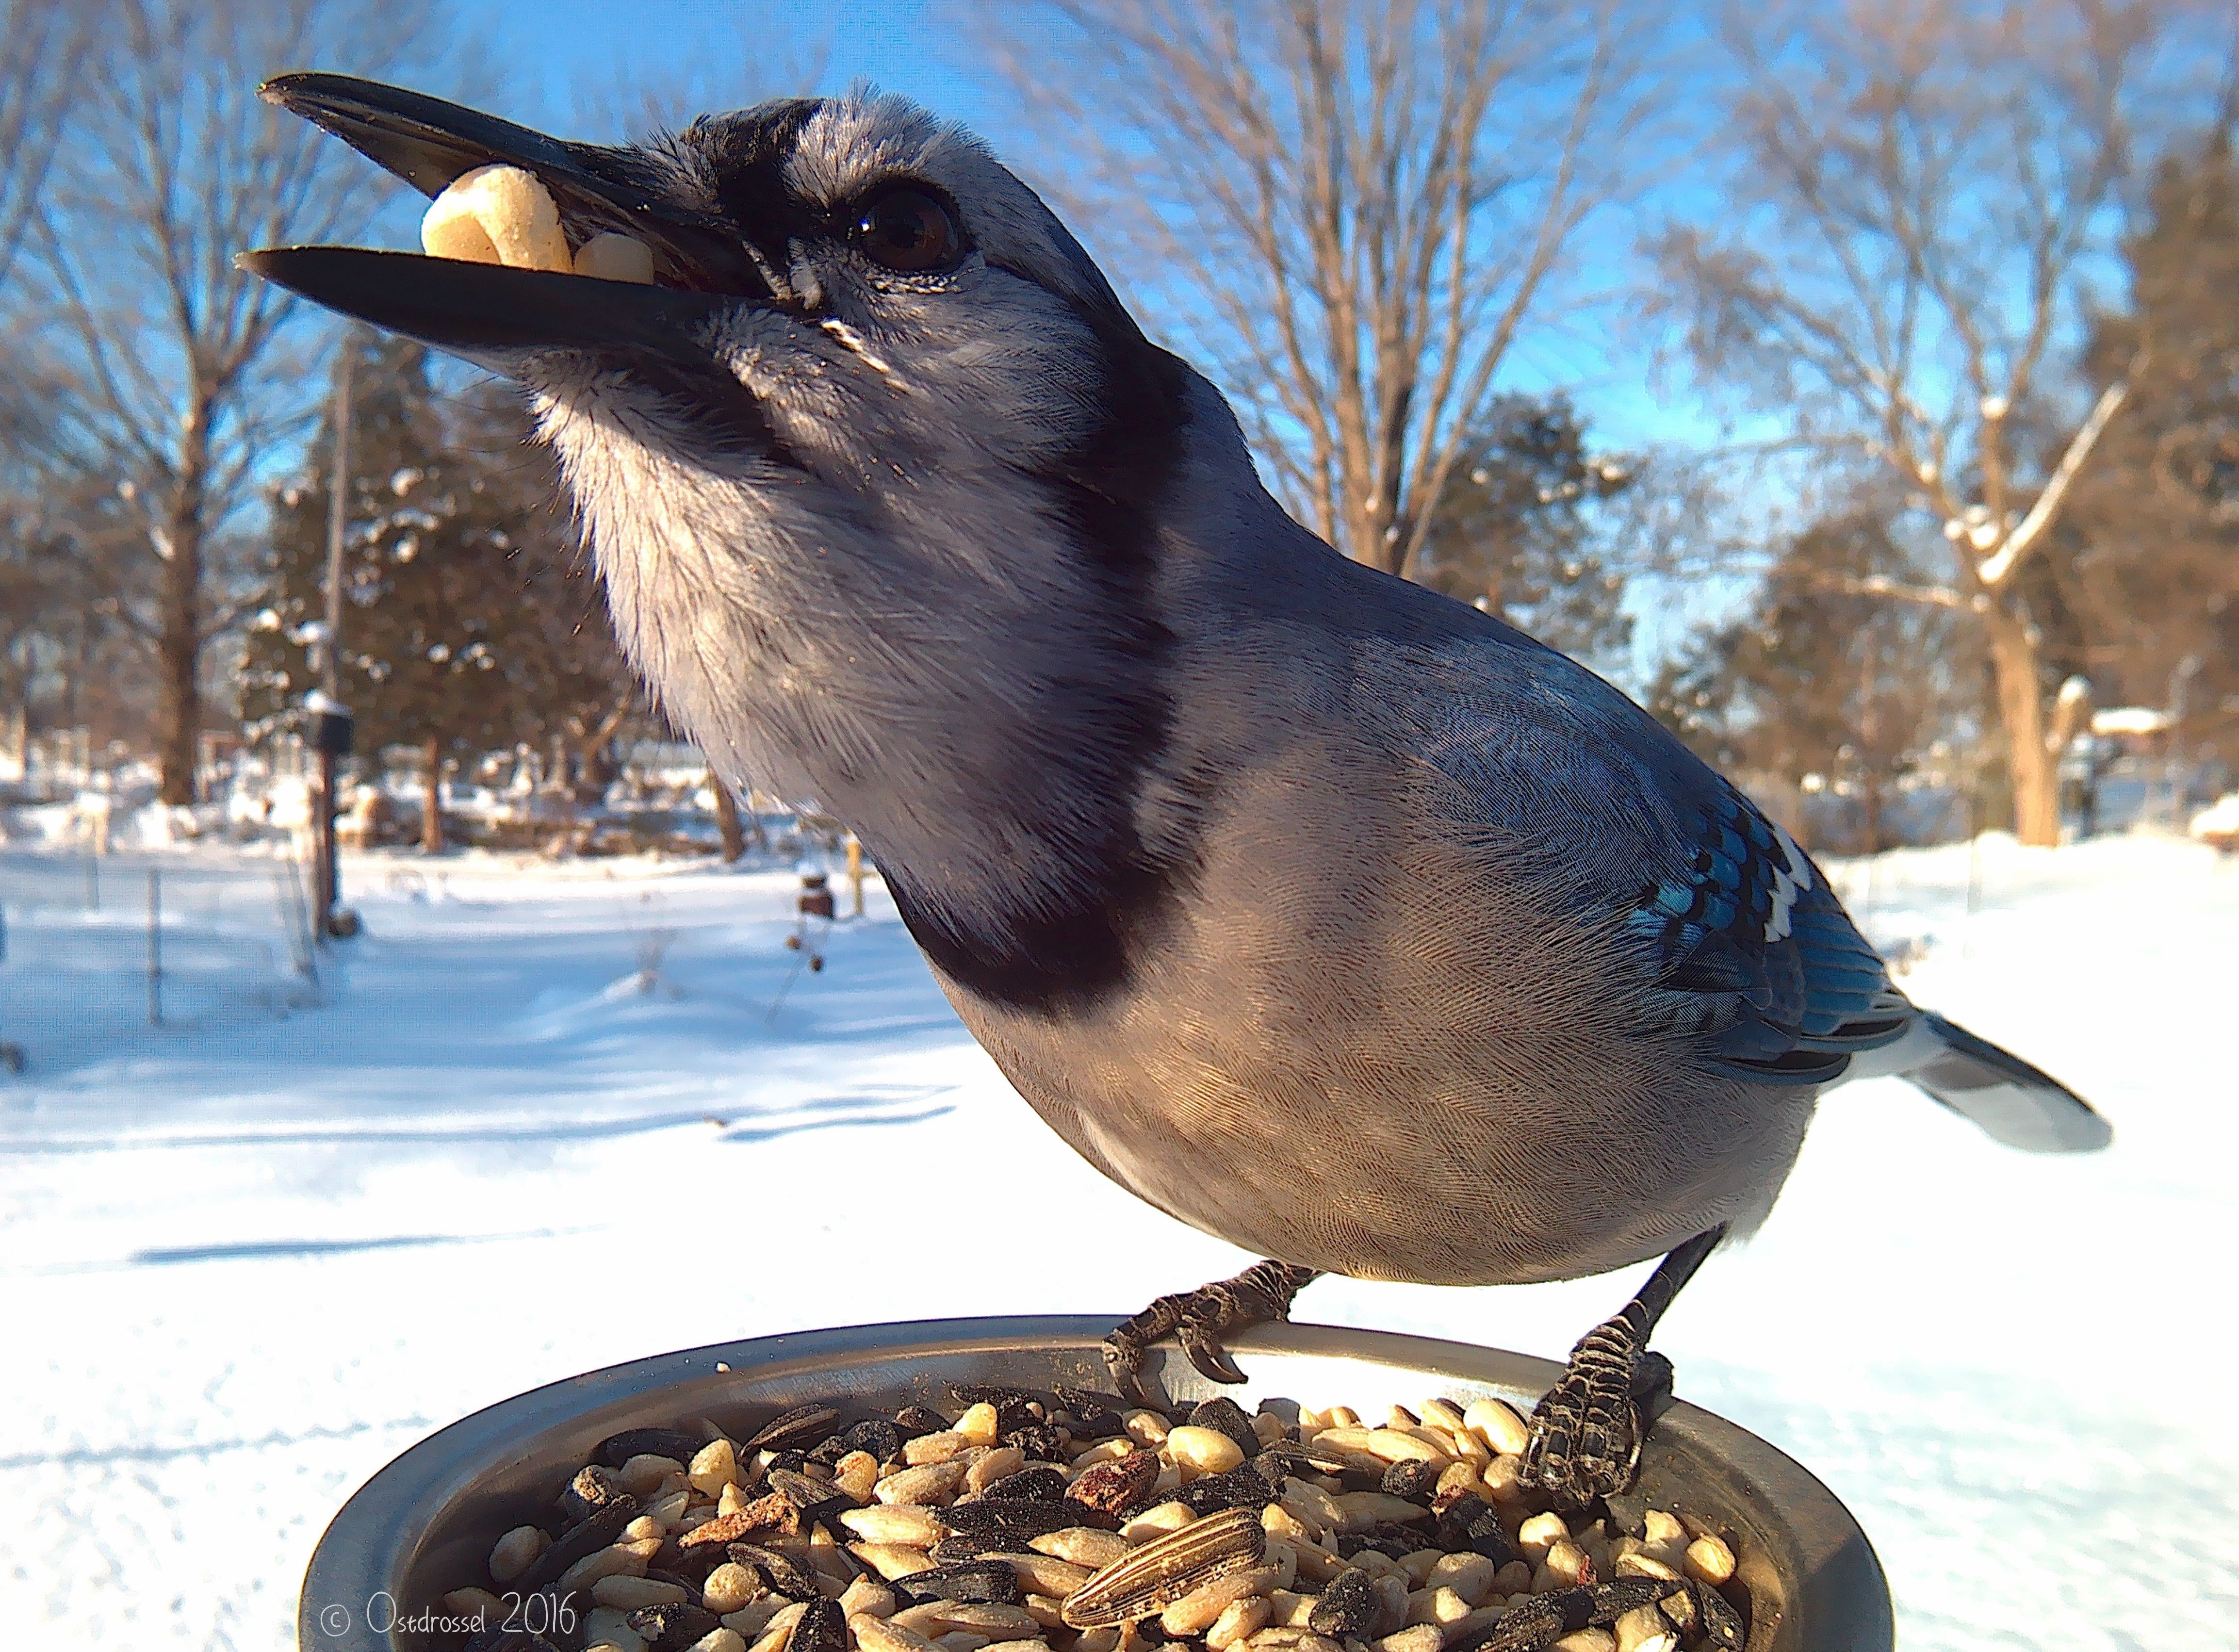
<point x="1200" y="1336"/>
<point x="1586" y="1431"/>
<point x="1200" y="1319"/>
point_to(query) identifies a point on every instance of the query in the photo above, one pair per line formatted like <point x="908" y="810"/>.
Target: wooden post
<point x="154" y="947"/>
<point x="431" y="796"/>
<point x="855" y="872"/>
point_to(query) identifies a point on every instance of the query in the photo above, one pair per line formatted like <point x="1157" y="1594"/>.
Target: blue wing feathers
<point x="1749" y="946"/>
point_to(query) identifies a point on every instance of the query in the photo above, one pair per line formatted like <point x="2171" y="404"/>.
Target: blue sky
<point x="565" y="59"/>
<point x="563" y="66"/>
<point x="563" y="46"/>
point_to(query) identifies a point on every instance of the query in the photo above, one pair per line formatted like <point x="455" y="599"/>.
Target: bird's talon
<point x="1203" y="1346"/>
<point x="1586" y="1437"/>
<point x="1201" y="1318"/>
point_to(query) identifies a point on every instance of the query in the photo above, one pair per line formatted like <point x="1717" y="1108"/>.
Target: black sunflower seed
<point x="591" y="1489"/>
<point x="1351" y="1543"/>
<point x="780" y="1573"/>
<point x="1722" y="1625"/>
<point x="1015" y="1519"/>
<point x="1275" y="1462"/>
<point x="990" y="1582"/>
<point x="586" y="1536"/>
<point x="1348" y="1605"/>
<point x="914" y="1420"/>
<point x="619" y="1448"/>
<point x="1043" y="1441"/>
<point x="1628" y="1514"/>
<point x="1093" y="1416"/>
<point x="1084" y="1403"/>
<point x="1469" y="1525"/>
<point x="801" y="1426"/>
<point x="1043" y="1485"/>
<point x="1411" y="1478"/>
<point x="823" y="1628"/>
<point x="1240" y="1487"/>
<point x="1614" y="1599"/>
<point x="1538" y="1623"/>
<point x="952" y="1549"/>
<point x="880" y="1438"/>
<point x="816" y="1499"/>
<point x="1227" y="1416"/>
<point x="673" y="1625"/>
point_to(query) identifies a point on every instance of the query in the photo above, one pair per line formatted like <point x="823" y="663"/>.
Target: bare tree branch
<point x="1996" y="568"/>
<point x="1920" y="205"/>
<point x="43" y="46"/>
<point x="161" y="368"/>
<point x="1934" y="596"/>
<point x="1351" y="210"/>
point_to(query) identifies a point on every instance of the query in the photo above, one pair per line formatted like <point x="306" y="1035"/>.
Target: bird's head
<point x="873" y="467"/>
<point x="875" y="397"/>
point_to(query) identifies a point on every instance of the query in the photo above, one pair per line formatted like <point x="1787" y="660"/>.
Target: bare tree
<point x="157" y="363"/>
<point x="1921" y="199"/>
<point x="43" y="46"/>
<point x="1351" y="210"/>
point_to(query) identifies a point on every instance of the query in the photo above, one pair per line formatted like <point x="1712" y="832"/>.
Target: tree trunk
<point x="2033" y="767"/>
<point x="431" y="797"/>
<point x="726" y="819"/>
<point x="178" y="650"/>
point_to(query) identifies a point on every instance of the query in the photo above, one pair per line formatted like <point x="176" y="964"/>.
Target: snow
<point x="254" y="1253"/>
<point x="2123" y="719"/>
<point x="2219" y="820"/>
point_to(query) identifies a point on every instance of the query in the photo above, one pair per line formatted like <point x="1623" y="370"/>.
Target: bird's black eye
<point x="909" y="231"/>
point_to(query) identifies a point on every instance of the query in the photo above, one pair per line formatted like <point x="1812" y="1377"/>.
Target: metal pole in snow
<point x="154" y="947"/>
<point x="329" y="874"/>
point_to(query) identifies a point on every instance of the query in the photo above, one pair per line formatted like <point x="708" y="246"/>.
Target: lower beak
<point x="493" y="315"/>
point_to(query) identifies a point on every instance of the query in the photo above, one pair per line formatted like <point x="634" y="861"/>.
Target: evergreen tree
<point x="1825" y="676"/>
<point x="1516" y="528"/>
<point x="2159" y="575"/>
<point x="459" y="635"/>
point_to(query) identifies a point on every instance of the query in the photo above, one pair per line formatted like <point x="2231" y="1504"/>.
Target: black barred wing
<point x="1748" y="918"/>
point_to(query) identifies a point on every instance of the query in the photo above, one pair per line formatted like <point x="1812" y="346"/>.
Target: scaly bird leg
<point x="1199" y="1319"/>
<point x="1587" y="1430"/>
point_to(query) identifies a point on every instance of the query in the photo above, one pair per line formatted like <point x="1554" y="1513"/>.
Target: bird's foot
<point x="1199" y="1319"/>
<point x="1586" y="1431"/>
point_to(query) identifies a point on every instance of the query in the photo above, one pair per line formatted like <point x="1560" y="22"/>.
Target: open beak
<point x="488" y="314"/>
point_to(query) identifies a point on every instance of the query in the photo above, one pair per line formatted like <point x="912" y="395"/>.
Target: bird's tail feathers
<point x="2009" y="1099"/>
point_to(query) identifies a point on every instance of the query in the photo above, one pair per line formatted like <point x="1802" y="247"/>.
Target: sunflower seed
<point x="1227" y="1416"/>
<point x="1163" y="1571"/>
<point x="1036" y="1485"/>
<point x="989" y="1582"/>
<point x="799" y="1427"/>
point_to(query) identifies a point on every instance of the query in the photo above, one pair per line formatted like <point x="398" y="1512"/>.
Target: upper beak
<point x="488" y="314"/>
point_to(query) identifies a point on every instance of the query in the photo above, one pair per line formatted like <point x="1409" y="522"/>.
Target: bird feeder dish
<point x="424" y="1525"/>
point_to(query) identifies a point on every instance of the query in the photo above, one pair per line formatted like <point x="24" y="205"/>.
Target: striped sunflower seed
<point x="1159" y="1573"/>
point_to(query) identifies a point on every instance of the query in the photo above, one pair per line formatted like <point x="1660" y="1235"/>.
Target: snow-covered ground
<point x="251" y="1255"/>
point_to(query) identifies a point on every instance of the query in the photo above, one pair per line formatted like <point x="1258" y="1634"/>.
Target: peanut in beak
<point x="503" y="215"/>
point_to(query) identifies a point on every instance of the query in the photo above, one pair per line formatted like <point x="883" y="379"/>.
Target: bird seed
<point x="1071" y="1522"/>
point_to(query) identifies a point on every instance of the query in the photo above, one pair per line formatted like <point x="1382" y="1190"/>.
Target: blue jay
<point x="1324" y="912"/>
